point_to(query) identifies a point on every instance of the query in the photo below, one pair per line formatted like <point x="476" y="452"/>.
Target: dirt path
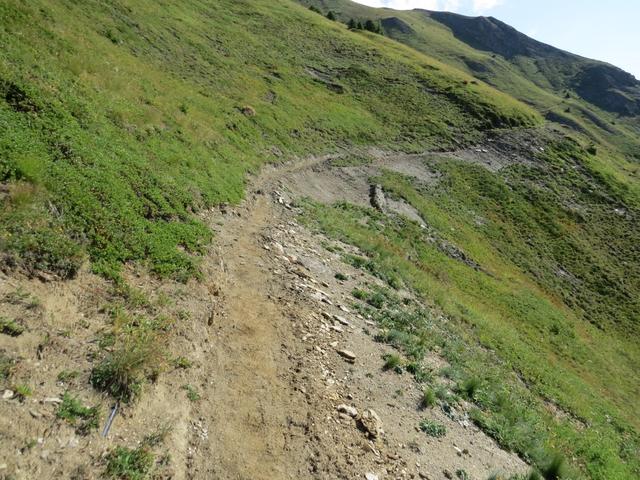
<point x="249" y="397"/>
<point x="276" y="377"/>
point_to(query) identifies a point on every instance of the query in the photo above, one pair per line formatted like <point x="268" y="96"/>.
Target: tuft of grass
<point x="393" y="362"/>
<point x="129" y="464"/>
<point x="462" y="474"/>
<point x="6" y="366"/>
<point x="123" y="372"/>
<point x="158" y="436"/>
<point x="23" y="391"/>
<point x="555" y="469"/>
<point x="428" y="398"/>
<point x="10" y="327"/>
<point x="376" y="300"/>
<point x="470" y="387"/>
<point x="359" y="294"/>
<point x="181" y="362"/>
<point x="192" y="393"/>
<point x="341" y="276"/>
<point x="67" y="375"/>
<point x="432" y="428"/>
<point x="84" y="419"/>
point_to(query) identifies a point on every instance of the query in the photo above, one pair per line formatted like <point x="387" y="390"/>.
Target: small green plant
<point x="555" y="469"/>
<point x="84" y="419"/>
<point x="158" y="436"/>
<point x="462" y="474"/>
<point x="376" y="300"/>
<point x="192" y="393"/>
<point x="359" y="294"/>
<point x="181" y="362"/>
<point x="138" y="356"/>
<point x="10" y="327"/>
<point x="428" y="398"/>
<point x="433" y="429"/>
<point x="23" y="391"/>
<point x="29" y="444"/>
<point x="122" y="373"/>
<point x="341" y="276"/>
<point x="67" y="375"/>
<point x="392" y="362"/>
<point x="6" y="366"/>
<point x="129" y="464"/>
<point x="469" y="388"/>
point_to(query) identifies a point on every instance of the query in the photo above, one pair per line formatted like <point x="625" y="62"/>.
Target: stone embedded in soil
<point x="348" y="409"/>
<point x="341" y="320"/>
<point x="347" y="355"/>
<point x="7" y="395"/>
<point x="371" y="423"/>
<point x="370" y="476"/>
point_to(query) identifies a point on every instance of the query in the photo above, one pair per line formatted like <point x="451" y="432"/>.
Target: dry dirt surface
<point x="288" y="377"/>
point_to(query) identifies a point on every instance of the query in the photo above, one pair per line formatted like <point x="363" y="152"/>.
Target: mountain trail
<point x="285" y="378"/>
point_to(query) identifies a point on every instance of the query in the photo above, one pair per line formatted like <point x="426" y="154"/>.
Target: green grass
<point x="6" y="367"/>
<point x="192" y="393"/>
<point x="23" y="391"/>
<point x="428" y="398"/>
<point x="433" y="429"/>
<point x="84" y="419"/>
<point x="130" y="464"/>
<point x="10" y="327"/>
<point x="67" y="375"/>
<point x="392" y="362"/>
<point x="523" y="341"/>
<point x="110" y="139"/>
<point x="181" y="362"/>
<point x="137" y="357"/>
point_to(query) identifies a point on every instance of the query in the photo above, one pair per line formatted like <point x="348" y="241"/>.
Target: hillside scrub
<point x="124" y="123"/>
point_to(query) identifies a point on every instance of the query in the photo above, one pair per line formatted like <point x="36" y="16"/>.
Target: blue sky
<point x="608" y="31"/>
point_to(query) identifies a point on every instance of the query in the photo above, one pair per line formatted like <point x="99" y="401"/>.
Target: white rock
<point x="347" y="354"/>
<point x="7" y="394"/>
<point x="341" y="320"/>
<point x="371" y="422"/>
<point x="370" y="476"/>
<point x="348" y="409"/>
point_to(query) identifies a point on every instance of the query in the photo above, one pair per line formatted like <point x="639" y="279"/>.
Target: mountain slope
<point x="124" y="162"/>
<point x="599" y="83"/>
<point x="490" y="260"/>
<point x="562" y="86"/>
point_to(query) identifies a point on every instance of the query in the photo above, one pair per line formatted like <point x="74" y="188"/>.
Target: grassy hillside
<point x="555" y="82"/>
<point x="119" y="120"/>
<point x="543" y="322"/>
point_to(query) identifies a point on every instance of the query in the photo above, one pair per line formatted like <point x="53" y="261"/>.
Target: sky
<point x="604" y="30"/>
